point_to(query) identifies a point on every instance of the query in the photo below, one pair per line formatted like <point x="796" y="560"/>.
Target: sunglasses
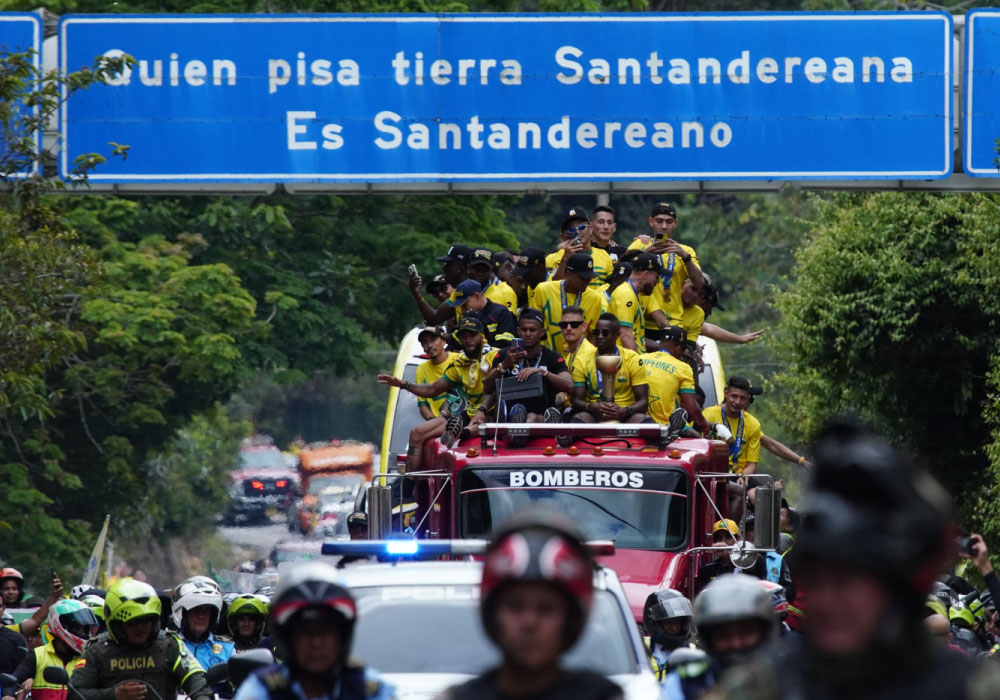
<point x="570" y="324"/>
<point x="603" y="331"/>
<point x="577" y="229"/>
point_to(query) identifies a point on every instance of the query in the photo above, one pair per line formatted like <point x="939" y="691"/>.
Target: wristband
<point x="801" y="460"/>
<point x="687" y="259"/>
<point x="629" y="411"/>
<point x="406" y="385"/>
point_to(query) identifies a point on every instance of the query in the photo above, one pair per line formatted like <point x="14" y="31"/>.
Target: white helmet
<point x="79" y="591"/>
<point x="192" y="593"/>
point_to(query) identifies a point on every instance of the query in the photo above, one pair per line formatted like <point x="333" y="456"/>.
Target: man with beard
<point x="466" y="375"/>
<point x="631" y="395"/>
<point x="631" y="303"/>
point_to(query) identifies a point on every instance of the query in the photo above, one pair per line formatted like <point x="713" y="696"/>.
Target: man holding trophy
<point x="609" y="383"/>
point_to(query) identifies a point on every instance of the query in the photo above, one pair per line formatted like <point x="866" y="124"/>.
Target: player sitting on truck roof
<point x="466" y="373"/>
<point x="433" y="339"/>
<point x="631" y="386"/>
<point x="671" y="381"/>
<point x="520" y="365"/>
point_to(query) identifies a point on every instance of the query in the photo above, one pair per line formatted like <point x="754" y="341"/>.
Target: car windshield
<point x="261" y="459"/>
<point x="336" y="487"/>
<point x="637" y="508"/>
<point x="436" y="629"/>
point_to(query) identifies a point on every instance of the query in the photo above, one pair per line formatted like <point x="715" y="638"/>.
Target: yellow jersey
<point x="467" y="374"/>
<point x="551" y="297"/>
<point x="668" y="378"/>
<point x="603" y="264"/>
<point x="503" y="294"/>
<point x="428" y="373"/>
<point x="631" y="309"/>
<point x="747" y="438"/>
<point x="691" y="320"/>
<point x="631" y="374"/>
<point x="672" y="277"/>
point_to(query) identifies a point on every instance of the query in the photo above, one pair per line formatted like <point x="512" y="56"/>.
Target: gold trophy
<point x="608" y="366"/>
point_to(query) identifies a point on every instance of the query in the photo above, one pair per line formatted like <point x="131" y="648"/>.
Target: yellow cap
<point x="726" y="525"/>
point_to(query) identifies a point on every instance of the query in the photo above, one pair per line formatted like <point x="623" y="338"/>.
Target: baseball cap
<point x="436" y="282"/>
<point x="481" y="256"/>
<point x="469" y="322"/>
<point x="674" y="333"/>
<point x="457" y="253"/>
<point x="645" y="261"/>
<point x="574" y="214"/>
<point x="531" y="314"/>
<point x="358" y="517"/>
<point x="724" y="525"/>
<point x="710" y="293"/>
<point x="500" y="258"/>
<point x="436" y="331"/>
<point x="663" y="208"/>
<point x="528" y="259"/>
<point x="582" y="265"/>
<point x="465" y="290"/>
<point x="623" y="269"/>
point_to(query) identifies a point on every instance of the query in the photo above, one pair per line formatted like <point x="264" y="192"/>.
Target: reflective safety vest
<point x="45" y="656"/>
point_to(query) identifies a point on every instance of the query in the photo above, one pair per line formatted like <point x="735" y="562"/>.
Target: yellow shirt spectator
<point x="603" y="264"/>
<point x="631" y="309"/>
<point x="674" y="272"/>
<point x="691" y="320"/>
<point x="502" y="293"/>
<point x="551" y="298"/>
<point x="668" y="378"/>
<point x="467" y="374"/>
<point x="428" y="373"/>
<point x="631" y="374"/>
<point x="746" y="432"/>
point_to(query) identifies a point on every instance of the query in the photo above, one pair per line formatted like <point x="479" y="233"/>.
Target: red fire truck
<point x="656" y="495"/>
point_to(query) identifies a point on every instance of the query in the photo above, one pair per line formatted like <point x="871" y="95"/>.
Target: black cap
<point x="436" y="282"/>
<point x="623" y="269"/>
<point x="529" y="259"/>
<point x="358" y="517"/>
<point x="481" y="256"/>
<point x="644" y="262"/>
<point x="674" y="333"/>
<point x="499" y="258"/>
<point x="710" y="293"/>
<point x="436" y="331"/>
<point x="663" y="208"/>
<point x="457" y="253"/>
<point x="469" y="322"/>
<point x="581" y="265"/>
<point x="531" y="314"/>
<point x="574" y="214"/>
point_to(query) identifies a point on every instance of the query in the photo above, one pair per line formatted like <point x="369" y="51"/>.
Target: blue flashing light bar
<point x="418" y="549"/>
<point x="430" y="549"/>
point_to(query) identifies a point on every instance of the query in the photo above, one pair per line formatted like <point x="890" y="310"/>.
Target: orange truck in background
<point x="330" y="475"/>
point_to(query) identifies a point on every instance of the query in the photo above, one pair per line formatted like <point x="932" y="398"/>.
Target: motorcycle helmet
<point x="247" y="604"/>
<point x="72" y="622"/>
<point x="667" y="604"/>
<point x="312" y="591"/>
<point x="129" y="600"/>
<point x="12" y="574"/>
<point x="734" y="598"/>
<point x="96" y="605"/>
<point x="538" y="548"/>
<point x="195" y="592"/>
<point x="778" y="598"/>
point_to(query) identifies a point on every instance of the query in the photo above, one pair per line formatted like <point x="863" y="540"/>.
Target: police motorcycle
<point x="234" y="671"/>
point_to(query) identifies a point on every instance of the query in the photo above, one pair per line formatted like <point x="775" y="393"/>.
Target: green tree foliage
<point x="891" y="317"/>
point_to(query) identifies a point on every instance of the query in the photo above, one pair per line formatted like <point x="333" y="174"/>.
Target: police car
<point x="418" y="623"/>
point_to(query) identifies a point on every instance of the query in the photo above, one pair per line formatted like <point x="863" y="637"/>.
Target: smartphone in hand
<point x="413" y="270"/>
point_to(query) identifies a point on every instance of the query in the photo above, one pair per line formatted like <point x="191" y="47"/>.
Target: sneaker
<point x="564" y="440"/>
<point x="452" y="430"/>
<point x="553" y="415"/>
<point x="517" y="414"/>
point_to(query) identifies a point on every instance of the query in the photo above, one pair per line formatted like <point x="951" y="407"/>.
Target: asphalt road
<point x="260" y="538"/>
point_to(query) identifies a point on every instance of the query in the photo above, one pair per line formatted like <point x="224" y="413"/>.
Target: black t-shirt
<point x="12" y="650"/>
<point x="573" y="685"/>
<point x="550" y="360"/>
<point x="615" y="249"/>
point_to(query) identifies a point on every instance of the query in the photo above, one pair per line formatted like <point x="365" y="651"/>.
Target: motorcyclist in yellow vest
<point x="71" y="624"/>
<point x="135" y="652"/>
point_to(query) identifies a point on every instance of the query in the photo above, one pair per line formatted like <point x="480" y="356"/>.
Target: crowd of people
<point x="531" y="325"/>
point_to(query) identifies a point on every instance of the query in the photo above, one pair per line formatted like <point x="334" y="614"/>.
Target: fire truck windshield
<point x="637" y="508"/>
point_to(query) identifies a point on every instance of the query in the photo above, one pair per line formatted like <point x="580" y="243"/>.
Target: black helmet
<point x="544" y="548"/>
<point x="667" y="604"/>
<point x="870" y="508"/>
<point x="312" y="591"/>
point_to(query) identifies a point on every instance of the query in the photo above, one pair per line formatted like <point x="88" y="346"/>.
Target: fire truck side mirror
<point x="767" y="530"/>
<point x="379" y="511"/>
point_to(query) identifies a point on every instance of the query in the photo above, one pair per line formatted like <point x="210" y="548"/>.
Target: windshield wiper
<point x="616" y="517"/>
